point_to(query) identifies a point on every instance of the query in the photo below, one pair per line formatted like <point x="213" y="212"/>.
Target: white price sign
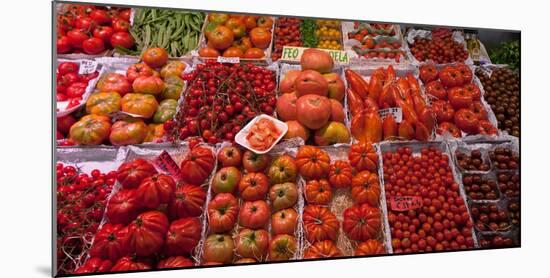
<point x="231" y="60"/>
<point x="87" y="67"/>
<point x="394" y="111"/>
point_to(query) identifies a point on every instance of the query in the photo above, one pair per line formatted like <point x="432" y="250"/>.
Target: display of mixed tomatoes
<point x="71" y="85"/>
<point x="287" y="32"/>
<point x="441" y="48"/>
<point x="131" y="107"/>
<point x="235" y="35"/>
<point x="81" y="200"/>
<point x="456" y="100"/>
<point x="92" y="29"/>
<point x="221" y="98"/>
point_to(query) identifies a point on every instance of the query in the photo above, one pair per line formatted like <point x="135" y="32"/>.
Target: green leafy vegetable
<point x="307" y="29"/>
<point x="506" y="53"/>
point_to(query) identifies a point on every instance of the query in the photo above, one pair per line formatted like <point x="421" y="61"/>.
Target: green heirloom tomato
<point x="173" y="87"/>
<point x="165" y="111"/>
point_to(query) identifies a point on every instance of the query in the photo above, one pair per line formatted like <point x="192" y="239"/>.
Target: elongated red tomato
<point x="146" y="233"/>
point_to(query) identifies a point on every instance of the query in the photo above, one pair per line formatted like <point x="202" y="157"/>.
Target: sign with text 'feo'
<point x="294" y="53"/>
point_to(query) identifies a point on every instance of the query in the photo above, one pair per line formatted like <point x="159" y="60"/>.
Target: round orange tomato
<point x="260" y="37"/>
<point x="320" y="224"/>
<point x="221" y="37"/>
<point x="254" y="53"/>
<point x="250" y="22"/>
<point x="322" y="249"/>
<point x="369" y="247"/>
<point x="362" y="222"/>
<point x="90" y="130"/>
<point x="103" y="103"/>
<point x="265" y="22"/>
<point x="128" y="132"/>
<point x="155" y="57"/>
<point x="244" y="44"/>
<point x="312" y="162"/>
<point x="148" y="85"/>
<point x="365" y="188"/>
<point x="237" y="26"/>
<point x="340" y="174"/>
<point x="233" y="52"/>
<point x="363" y="156"/>
<point x="219" y="18"/>
<point x="143" y="105"/>
<point x="318" y="192"/>
<point x="209" y="52"/>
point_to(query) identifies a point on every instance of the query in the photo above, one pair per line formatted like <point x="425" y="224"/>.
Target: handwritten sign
<point x="394" y="111"/>
<point x="404" y="203"/>
<point x="231" y="60"/>
<point x="165" y="162"/>
<point x="87" y="67"/>
<point x="294" y="54"/>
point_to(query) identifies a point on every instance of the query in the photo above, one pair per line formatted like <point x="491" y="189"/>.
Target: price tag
<point x="231" y="60"/>
<point x="404" y="203"/>
<point x="294" y="54"/>
<point x="394" y="111"/>
<point x="165" y="162"/>
<point x="87" y="67"/>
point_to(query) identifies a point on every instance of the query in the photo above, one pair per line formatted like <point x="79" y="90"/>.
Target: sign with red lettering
<point x="165" y="162"/>
<point x="404" y="203"/>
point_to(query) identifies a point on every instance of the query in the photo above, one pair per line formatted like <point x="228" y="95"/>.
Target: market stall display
<point x="173" y="153"/>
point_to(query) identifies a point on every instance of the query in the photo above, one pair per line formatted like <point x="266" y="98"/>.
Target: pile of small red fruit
<point x="81" y="201"/>
<point x="221" y="98"/>
<point x="70" y="84"/>
<point x="441" y="49"/>
<point x="442" y="221"/>
<point x="456" y="100"/>
<point x="93" y="29"/>
<point x="287" y="32"/>
<point x="153" y="220"/>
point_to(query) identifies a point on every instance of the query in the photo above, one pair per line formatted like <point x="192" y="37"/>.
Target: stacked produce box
<point x="183" y="141"/>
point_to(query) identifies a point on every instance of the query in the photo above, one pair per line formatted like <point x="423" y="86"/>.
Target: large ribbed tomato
<point x="155" y="190"/>
<point x="318" y="192"/>
<point x="183" y="236"/>
<point x="340" y="174"/>
<point x="146" y="233"/>
<point x="103" y="103"/>
<point x="282" y="169"/>
<point x="369" y="247"/>
<point x="218" y="248"/>
<point x="363" y="156"/>
<point x="365" y="188"/>
<point x="222" y="212"/>
<point x="123" y="207"/>
<point x="129" y="131"/>
<point x="143" y="105"/>
<point x="253" y="186"/>
<point x="254" y="215"/>
<point x="282" y="248"/>
<point x="188" y="201"/>
<point x="114" y="82"/>
<point x="283" y="195"/>
<point x="128" y="263"/>
<point x="361" y="222"/>
<point x="197" y="165"/>
<point x="320" y="224"/>
<point x="284" y="221"/>
<point x="109" y="242"/>
<point x="312" y="162"/>
<point x="252" y="243"/>
<point x="94" y="265"/>
<point x="175" y="262"/>
<point x="322" y="249"/>
<point x="130" y="174"/>
<point x="90" y="130"/>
